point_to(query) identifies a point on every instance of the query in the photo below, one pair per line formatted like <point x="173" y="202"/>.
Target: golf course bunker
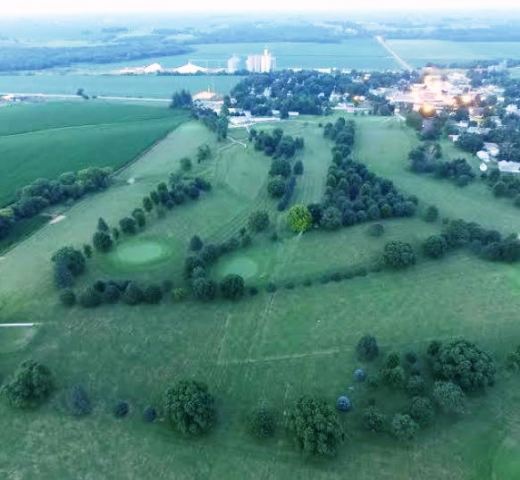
<point x="506" y="464"/>
<point x="140" y="252"/>
<point x="246" y="267"/>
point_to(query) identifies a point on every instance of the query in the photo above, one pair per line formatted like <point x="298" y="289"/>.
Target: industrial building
<point x="261" y="63"/>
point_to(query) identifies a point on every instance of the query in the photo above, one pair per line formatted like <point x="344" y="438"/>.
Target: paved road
<point x="405" y="65"/>
<point x="67" y="96"/>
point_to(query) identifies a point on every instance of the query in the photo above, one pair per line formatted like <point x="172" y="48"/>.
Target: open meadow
<point x="271" y="347"/>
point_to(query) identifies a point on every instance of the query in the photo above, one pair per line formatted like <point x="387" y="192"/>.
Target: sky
<point x="53" y="7"/>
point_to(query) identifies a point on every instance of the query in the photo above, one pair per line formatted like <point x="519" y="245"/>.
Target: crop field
<point x="272" y="347"/>
<point x="45" y="140"/>
<point x="420" y="52"/>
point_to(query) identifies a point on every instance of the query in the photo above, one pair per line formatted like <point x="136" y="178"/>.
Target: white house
<point x="509" y="167"/>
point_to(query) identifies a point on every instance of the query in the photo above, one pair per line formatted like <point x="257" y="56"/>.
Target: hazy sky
<point x="28" y="7"/>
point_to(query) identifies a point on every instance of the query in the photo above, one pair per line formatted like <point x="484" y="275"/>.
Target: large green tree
<point x="299" y="218"/>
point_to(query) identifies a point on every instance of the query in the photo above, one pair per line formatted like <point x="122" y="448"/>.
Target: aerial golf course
<point x="272" y="347"/>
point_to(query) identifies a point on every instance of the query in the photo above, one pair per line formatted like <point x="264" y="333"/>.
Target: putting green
<point x="246" y="267"/>
<point x="506" y="464"/>
<point x="137" y="253"/>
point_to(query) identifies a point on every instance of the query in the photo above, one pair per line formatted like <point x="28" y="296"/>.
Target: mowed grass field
<point x="45" y="140"/>
<point x="271" y="347"/>
<point x="420" y="52"/>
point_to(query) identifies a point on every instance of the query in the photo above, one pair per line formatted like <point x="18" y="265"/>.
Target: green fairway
<point x="271" y="347"/>
<point x="45" y="140"/>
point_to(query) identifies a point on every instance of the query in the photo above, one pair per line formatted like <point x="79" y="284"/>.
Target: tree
<point x="68" y="298"/>
<point x="87" y="250"/>
<point x="299" y="218"/>
<point x="449" y="397"/>
<point x="414" y="120"/>
<point x="393" y="376"/>
<point x="128" y="225"/>
<point x="181" y="99"/>
<point x="121" y="409"/>
<point x="195" y="243"/>
<point x="133" y="294"/>
<point x="367" y="348"/>
<point x="422" y="411"/>
<point x="78" y="401"/>
<point x="72" y="259"/>
<point x="30" y="386"/>
<point x="376" y="230"/>
<point x="232" y="287"/>
<point x="398" y="255"/>
<point x="403" y="427"/>
<point x="186" y="164"/>
<point x="276" y="187"/>
<point x="431" y="214"/>
<point x="464" y="364"/>
<point x="102" y="241"/>
<point x="258" y="221"/>
<point x="189" y="407"/>
<point x="435" y="246"/>
<point x="102" y="225"/>
<point x="315" y="427"/>
<point x="204" y="289"/>
<point x="262" y="422"/>
<point x="415" y="385"/>
<point x="373" y="420"/>
<point x="298" y="168"/>
<point x="139" y="217"/>
<point x="147" y="204"/>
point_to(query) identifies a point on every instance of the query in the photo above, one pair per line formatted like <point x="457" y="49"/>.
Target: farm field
<point x="45" y="140"/>
<point x="420" y="52"/>
<point x="272" y="347"/>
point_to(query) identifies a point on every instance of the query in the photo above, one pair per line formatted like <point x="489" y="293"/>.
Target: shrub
<point x="78" y="401"/>
<point x="232" y="287"/>
<point x="398" y="255"/>
<point x="204" y="289"/>
<point x="128" y="225"/>
<point x="133" y="295"/>
<point x="276" y="187"/>
<point x="421" y="410"/>
<point x="393" y="377"/>
<point x="258" y="221"/>
<point x="367" y="348"/>
<point x="449" y="397"/>
<point x="373" y="420"/>
<point x="149" y="414"/>
<point x="121" y="409"/>
<point x="189" y="407"/>
<point x="262" y="422"/>
<point x="186" y="164"/>
<point x="112" y="294"/>
<point x="152" y="294"/>
<point x="315" y="427"/>
<point x="403" y="427"/>
<point x="30" y="386"/>
<point x="68" y="298"/>
<point x="376" y="230"/>
<point x="415" y="385"/>
<point x="196" y="243"/>
<point x="90" y="298"/>
<point x="298" y="167"/>
<point x="435" y="246"/>
<point x="431" y="214"/>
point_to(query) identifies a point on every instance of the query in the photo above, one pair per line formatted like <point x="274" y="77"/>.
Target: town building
<point x="233" y="64"/>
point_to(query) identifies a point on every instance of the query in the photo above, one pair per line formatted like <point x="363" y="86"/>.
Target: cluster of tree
<point x="216" y="123"/>
<point x="309" y="92"/>
<point x="353" y="193"/>
<point x="182" y="99"/>
<point x="437" y="383"/>
<point x="507" y="186"/>
<point x="470" y="142"/>
<point x="68" y="263"/>
<point x="282" y="174"/>
<point x="110" y="292"/>
<point x="489" y="244"/>
<point x="426" y="158"/>
<point x="41" y="193"/>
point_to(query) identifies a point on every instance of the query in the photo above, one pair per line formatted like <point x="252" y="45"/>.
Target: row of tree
<point x="35" y="197"/>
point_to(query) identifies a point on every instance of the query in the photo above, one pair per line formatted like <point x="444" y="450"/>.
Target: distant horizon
<point x="32" y="8"/>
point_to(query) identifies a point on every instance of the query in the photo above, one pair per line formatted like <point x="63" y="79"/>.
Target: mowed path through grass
<point x="271" y="347"/>
<point x="46" y="140"/>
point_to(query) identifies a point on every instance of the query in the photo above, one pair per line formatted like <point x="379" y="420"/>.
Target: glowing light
<point x="466" y="99"/>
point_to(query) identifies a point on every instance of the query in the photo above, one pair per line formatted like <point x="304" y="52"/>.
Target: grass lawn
<point x="271" y="347"/>
<point x="45" y="140"/>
